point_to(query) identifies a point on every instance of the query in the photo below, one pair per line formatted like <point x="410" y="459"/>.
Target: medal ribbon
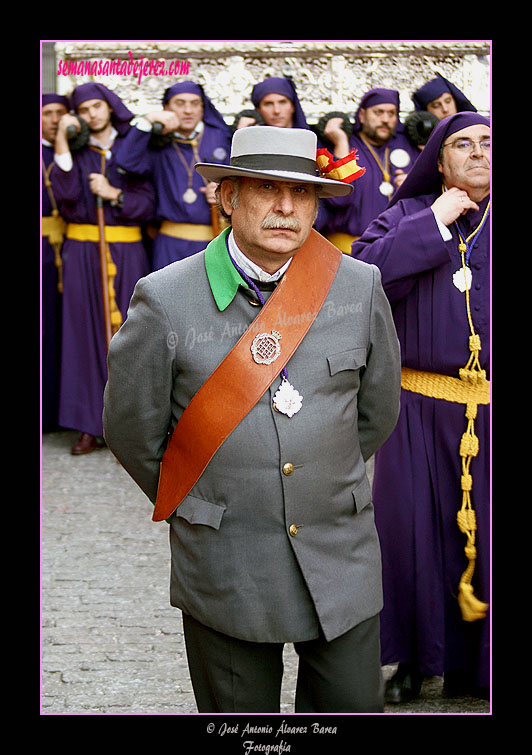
<point x="250" y="282"/>
<point x="194" y="143"/>
<point x="386" y="170"/>
<point x="464" y="246"/>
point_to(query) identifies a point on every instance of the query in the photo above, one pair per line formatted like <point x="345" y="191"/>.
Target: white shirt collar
<point x="94" y="143"/>
<point x="197" y="131"/>
<point x="249" y="267"/>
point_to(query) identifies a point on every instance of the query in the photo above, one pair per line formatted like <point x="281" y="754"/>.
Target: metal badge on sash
<point x="266" y="347"/>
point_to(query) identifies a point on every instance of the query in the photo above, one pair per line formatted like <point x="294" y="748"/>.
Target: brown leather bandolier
<point x="238" y="382"/>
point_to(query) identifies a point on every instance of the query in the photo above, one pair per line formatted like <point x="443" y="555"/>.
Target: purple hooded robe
<point x="417" y="491"/>
<point x="353" y="214"/>
<point x="50" y="299"/>
<point x="165" y="167"/>
<point x="435" y="88"/>
<point x="84" y="352"/>
<point x="284" y="87"/>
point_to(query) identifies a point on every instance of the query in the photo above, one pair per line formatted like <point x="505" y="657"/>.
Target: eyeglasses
<point x="468" y="145"/>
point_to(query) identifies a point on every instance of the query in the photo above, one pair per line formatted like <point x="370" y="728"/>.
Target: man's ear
<point x="226" y="194"/>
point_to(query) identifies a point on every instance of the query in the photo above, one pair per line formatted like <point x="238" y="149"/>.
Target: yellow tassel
<point x="472" y="608"/>
<point x="115" y="314"/>
<point x="57" y="229"/>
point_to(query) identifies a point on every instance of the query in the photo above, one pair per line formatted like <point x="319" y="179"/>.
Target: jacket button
<point x="288" y="468"/>
<point x="293" y="530"/>
<point x="254" y="302"/>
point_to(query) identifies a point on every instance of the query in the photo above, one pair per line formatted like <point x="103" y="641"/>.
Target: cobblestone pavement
<point x="111" y="642"/>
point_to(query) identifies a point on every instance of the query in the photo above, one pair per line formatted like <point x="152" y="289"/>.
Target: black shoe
<point x="86" y="444"/>
<point x="404" y="685"/>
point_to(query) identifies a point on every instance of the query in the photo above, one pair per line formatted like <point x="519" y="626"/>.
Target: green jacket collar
<point x="224" y="279"/>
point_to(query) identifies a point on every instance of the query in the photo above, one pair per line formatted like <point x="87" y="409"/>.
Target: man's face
<point x="97" y="114"/>
<point x="464" y="162"/>
<point x="51" y="114"/>
<point x="442" y="106"/>
<point x="188" y="108"/>
<point x="379" y="122"/>
<point x="277" y="110"/>
<point x="272" y="219"/>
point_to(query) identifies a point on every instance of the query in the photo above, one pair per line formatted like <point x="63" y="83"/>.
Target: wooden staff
<point x="103" y="266"/>
<point x="215" y="220"/>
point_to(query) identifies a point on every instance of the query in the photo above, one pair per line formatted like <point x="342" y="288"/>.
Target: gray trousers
<point x="235" y="676"/>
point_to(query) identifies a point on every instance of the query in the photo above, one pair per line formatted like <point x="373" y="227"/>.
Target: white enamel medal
<point x="462" y="279"/>
<point x="386" y="188"/>
<point x="400" y="158"/>
<point x="266" y="347"/>
<point x="287" y="400"/>
<point x="190" y="196"/>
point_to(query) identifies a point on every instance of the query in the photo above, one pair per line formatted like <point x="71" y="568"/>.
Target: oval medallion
<point x="266" y="347"/>
<point x="400" y="158"/>
<point x="190" y="196"/>
<point x="386" y="188"/>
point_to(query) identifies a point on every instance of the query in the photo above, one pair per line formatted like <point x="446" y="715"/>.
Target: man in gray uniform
<point x="263" y="372"/>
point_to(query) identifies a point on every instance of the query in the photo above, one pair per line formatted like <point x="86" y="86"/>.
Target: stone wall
<point x="329" y="75"/>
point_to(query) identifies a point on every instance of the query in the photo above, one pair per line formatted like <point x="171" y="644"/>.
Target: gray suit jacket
<point x="236" y="567"/>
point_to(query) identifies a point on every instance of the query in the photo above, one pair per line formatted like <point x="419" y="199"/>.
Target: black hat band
<point x="271" y="162"/>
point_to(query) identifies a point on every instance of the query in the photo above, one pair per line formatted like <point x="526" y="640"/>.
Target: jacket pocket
<point x="362" y="494"/>
<point x="196" y="511"/>
<point x="353" y="359"/>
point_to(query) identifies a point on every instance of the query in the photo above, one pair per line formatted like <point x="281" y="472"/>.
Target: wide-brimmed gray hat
<point x="281" y="154"/>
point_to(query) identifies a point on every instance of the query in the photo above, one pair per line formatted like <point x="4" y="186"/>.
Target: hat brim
<point x="330" y="188"/>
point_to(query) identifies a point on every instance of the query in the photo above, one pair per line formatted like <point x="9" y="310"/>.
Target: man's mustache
<point x="273" y="221"/>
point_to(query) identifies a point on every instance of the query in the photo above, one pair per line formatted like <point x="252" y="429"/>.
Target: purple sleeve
<point x="134" y="155"/>
<point x="78" y="203"/>
<point x="66" y="185"/>
<point x="139" y="199"/>
<point x="404" y="242"/>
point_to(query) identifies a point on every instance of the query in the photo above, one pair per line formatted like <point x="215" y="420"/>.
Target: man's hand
<point x="209" y="192"/>
<point x="451" y="204"/>
<point x="399" y="177"/>
<point x="244" y="121"/>
<point x="67" y="120"/>
<point x="100" y="186"/>
<point x="334" y="132"/>
<point x="61" y="145"/>
<point x="168" y="118"/>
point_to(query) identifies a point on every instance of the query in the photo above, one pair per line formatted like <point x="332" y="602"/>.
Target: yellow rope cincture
<point x="115" y="314"/>
<point x="54" y="227"/>
<point x="471" y="607"/>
